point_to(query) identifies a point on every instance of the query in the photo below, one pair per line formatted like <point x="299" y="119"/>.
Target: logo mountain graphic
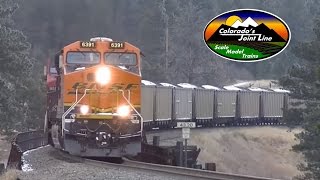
<point x="247" y="24"/>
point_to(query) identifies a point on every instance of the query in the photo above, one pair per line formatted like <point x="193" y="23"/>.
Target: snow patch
<point x="187" y="85"/>
<point x="26" y="167"/>
<point x="243" y="84"/>
<point x="232" y="88"/>
<point x="258" y="89"/>
<point x="168" y="85"/>
<point x="31" y="150"/>
<point x="210" y="87"/>
<point x="281" y="90"/>
<point x="147" y="83"/>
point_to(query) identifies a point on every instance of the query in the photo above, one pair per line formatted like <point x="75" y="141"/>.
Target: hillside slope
<point x="261" y="151"/>
<point x="258" y="151"/>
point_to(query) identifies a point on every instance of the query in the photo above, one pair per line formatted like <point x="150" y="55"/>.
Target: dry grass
<point x="4" y="149"/>
<point x="258" y="151"/>
<point x="10" y="175"/>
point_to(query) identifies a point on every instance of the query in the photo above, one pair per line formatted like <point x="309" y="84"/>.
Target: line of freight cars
<point x="163" y="107"/>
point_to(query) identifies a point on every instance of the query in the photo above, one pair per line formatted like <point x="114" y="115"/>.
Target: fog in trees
<point x="170" y="34"/>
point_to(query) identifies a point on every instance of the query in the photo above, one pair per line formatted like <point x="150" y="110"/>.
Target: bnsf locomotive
<point x="93" y="98"/>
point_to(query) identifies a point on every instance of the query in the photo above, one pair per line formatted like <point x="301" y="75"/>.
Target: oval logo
<point x="247" y="35"/>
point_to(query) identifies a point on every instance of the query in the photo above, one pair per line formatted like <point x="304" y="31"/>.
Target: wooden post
<point x="180" y="153"/>
<point x="2" y="168"/>
<point x="261" y="107"/>
<point x="210" y="166"/>
<point x="167" y="42"/>
<point x="186" y="153"/>
<point x="156" y="140"/>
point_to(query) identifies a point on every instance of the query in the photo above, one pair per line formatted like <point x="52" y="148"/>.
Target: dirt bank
<point x="260" y="151"/>
<point x="257" y="151"/>
<point x="4" y="149"/>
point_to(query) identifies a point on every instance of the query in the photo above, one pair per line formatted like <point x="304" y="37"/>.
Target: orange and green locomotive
<point x="93" y="98"/>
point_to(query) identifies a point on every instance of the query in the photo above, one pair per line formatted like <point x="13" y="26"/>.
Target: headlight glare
<point x="84" y="109"/>
<point x="123" y="111"/>
<point x="103" y="75"/>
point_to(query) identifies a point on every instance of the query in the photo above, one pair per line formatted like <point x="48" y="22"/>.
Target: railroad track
<point x="165" y="169"/>
<point x="176" y="171"/>
<point x="189" y="172"/>
<point x="30" y="140"/>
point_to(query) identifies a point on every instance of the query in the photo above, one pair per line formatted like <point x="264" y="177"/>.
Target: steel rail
<point x="190" y="172"/>
<point x="175" y="170"/>
<point x="165" y="169"/>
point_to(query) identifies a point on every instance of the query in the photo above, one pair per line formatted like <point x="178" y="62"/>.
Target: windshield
<point x="121" y="59"/>
<point x="83" y="58"/>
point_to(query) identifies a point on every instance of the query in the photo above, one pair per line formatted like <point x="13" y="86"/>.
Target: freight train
<point x="97" y="106"/>
<point x="93" y="98"/>
<point x="163" y="106"/>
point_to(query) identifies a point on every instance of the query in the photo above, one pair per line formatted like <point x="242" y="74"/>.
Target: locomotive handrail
<point x="85" y="92"/>
<point x="125" y="98"/>
<point x="71" y="107"/>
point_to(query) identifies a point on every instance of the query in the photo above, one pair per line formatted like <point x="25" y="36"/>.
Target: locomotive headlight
<point x="84" y="109"/>
<point x="103" y="76"/>
<point x="123" y="110"/>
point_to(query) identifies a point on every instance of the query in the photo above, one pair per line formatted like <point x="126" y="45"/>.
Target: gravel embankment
<point x="47" y="163"/>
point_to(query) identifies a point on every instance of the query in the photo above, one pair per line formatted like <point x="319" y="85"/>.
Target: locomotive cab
<point x="95" y="109"/>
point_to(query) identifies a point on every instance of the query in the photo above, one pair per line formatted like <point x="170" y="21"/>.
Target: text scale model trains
<point x="93" y="99"/>
<point x="164" y="106"/>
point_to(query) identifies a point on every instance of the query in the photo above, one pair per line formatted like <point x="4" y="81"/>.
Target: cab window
<point x="81" y="60"/>
<point x="121" y="59"/>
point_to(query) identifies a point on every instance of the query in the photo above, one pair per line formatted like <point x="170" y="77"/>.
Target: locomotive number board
<point x="87" y="44"/>
<point x="116" y="45"/>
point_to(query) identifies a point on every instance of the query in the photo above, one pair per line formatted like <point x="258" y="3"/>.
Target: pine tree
<point x="15" y="72"/>
<point x="304" y="83"/>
